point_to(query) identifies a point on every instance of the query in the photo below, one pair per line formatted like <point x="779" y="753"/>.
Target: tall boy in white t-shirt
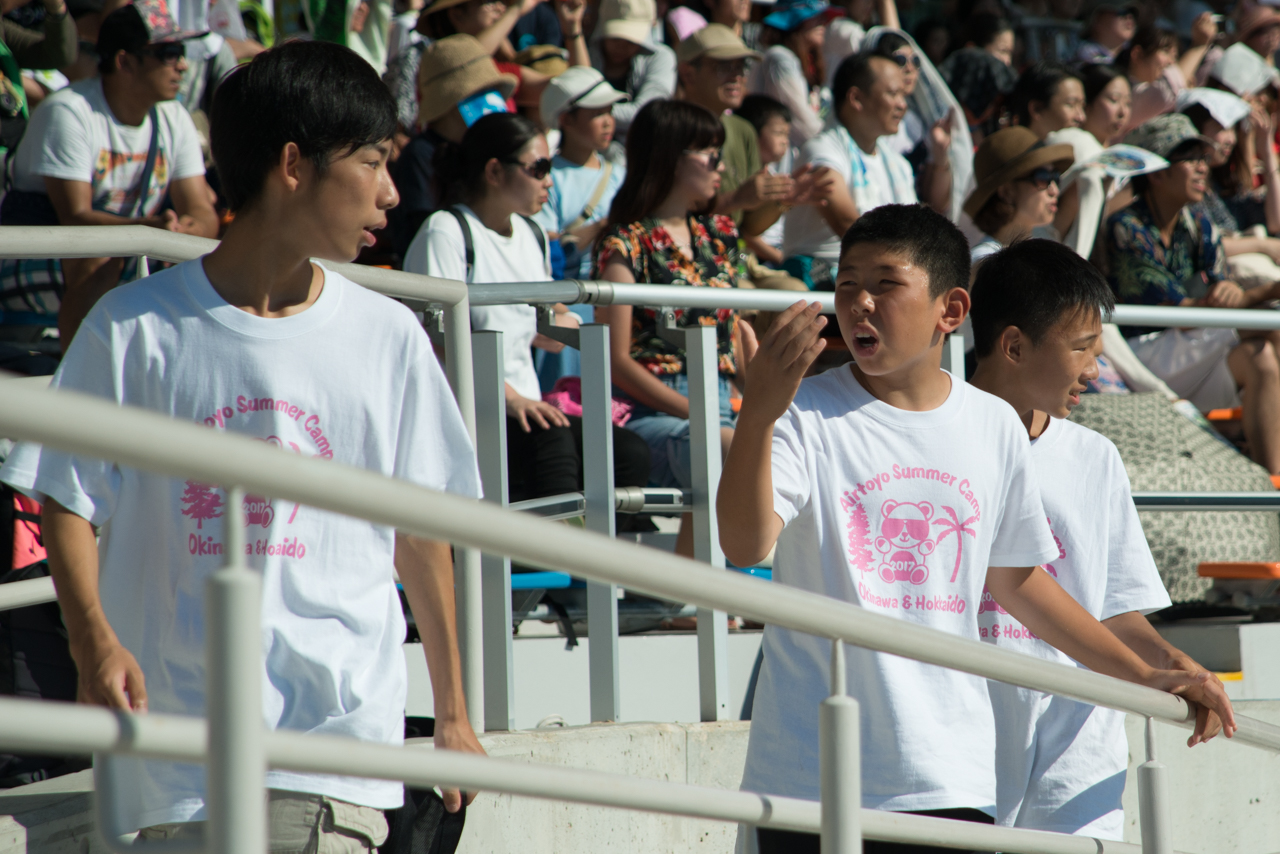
<point x="890" y="484"/>
<point x="256" y="339"/>
<point x="1060" y="764"/>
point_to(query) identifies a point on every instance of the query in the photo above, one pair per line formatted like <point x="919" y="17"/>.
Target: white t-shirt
<point x="438" y="250"/>
<point x="901" y="513"/>
<point x="73" y="135"/>
<point x="1060" y="764"/>
<point x="572" y="186"/>
<point x="842" y="40"/>
<point x="352" y="378"/>
<point x="883" y="178"/>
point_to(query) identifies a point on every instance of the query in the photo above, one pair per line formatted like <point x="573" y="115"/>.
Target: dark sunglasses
<point x="713" y="160"/>
<point x="1042" y="178"/>
<point x="537" y="170"/>
<point x="902" y="60"/>
<point x="168" y="53"/>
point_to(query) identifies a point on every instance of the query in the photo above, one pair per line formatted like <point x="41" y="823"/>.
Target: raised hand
<point x="785" y="353"/>
<point x="940" y="136"/>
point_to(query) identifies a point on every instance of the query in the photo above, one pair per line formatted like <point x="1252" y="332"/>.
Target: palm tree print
<point x="953" y="525"/>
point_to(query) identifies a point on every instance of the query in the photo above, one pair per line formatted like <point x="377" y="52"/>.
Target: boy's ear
<point x="289" y="167"/>
<point x="955" y="308"/>
<point x="1011" y="344"/>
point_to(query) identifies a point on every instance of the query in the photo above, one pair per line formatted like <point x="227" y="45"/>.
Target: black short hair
<point x="320" y="96"/>
<point x="984" y="27"/>
<point x="1033" y="285"/>
<point x="459" y="167"/>
<point x="758" y="109"/>
<point x="1038" y="84"/>
<point x="928" y="238"/>
<point x="856" y="70"/>
<point x="1097" y="76"/>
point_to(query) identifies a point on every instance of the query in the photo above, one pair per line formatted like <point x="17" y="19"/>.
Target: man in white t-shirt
<point x="1060" y="764"/>
<point x="87" y="156"/>
<point x="870" y="101"/>
<point x="256" y="339"/>
<point x="893" y="485"/>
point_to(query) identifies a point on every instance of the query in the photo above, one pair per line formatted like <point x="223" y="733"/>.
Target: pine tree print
<point x="202" y="502"/>
<point x="859" y="534"/>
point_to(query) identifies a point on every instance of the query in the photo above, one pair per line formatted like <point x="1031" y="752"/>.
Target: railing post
<point x="597" y="479"/>
<point x="953" y="354"/>
<point x="466" y="568"/>
<point x="702" y="364"/>
<point x="491" y="448"/>
<point x="839" y="764"/>
<point x="237" y="768"/>
<point x="1153" y="800"/>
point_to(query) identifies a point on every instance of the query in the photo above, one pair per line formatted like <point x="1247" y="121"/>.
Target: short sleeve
<point x="86" y="486"/>
<point x="432" y="447"/>
<point x="614" y="245"/>
<point x="1022" y="535"/>
<point x="823" y="151"/>
<point x="1133" y="581"/>
<point x="65" y="152"/>
<point x="437" y="249"/>
<point x="791" y="491"/>
<point x="188" y="159"/>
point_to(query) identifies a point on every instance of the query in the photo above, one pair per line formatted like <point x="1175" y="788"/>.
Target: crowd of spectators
<point x="1002" y="116"/>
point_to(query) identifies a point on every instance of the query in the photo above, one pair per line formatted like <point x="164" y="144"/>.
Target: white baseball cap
<point x="577" y="86"/>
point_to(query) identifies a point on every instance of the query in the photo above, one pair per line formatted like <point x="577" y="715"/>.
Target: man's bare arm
<point x="108" y="673"/>
<point x="426" y="571"/>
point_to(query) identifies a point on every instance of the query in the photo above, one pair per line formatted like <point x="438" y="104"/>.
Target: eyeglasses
<point x="902" y="59"/>
<point x="537" y="170"/>
<point x="167" y="53"/>
<point x="1042" y="178"/>
<point x="713" y="157"/>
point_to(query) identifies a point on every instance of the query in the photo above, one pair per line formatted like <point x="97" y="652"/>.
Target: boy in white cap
<point x="584" y="176"/>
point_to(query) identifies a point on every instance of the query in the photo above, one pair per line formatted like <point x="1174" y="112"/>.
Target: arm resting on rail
<point x="426" y="571"/>
<point x="1036" y="601"/>
<point x="108" y="673"/>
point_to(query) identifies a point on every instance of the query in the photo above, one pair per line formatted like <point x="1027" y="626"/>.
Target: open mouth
<point x="865" y="343"/>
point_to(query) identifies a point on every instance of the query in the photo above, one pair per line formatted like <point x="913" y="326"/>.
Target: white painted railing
<point x="239" y="752"/>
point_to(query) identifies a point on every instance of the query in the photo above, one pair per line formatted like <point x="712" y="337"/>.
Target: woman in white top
<point x="501" y="174"/>
<point x="1017" y="187"/>
<point x="792" y="70"/>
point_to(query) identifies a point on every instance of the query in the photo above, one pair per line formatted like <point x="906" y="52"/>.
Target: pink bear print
<point x="905" y="541"/>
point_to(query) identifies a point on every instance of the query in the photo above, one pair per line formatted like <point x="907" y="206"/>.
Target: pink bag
<point x="566" y="396"/>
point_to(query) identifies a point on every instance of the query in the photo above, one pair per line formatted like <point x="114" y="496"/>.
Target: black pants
<point x="790" y="842"/>
<point x="549" y="462"/>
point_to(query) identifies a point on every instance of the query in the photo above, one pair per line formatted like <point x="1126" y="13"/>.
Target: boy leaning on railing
<point x="891" y="484"/>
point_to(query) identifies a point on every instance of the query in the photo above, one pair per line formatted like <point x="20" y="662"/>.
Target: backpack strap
<point x="539" y="235"/>
<point x="138" y="208"/>
<point x="468" y="246"/>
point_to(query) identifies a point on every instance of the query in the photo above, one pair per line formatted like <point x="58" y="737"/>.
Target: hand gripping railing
<point x="90" y="426"/>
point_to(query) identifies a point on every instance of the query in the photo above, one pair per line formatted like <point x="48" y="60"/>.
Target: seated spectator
<point x="792" y="70"/>
<point x="1163" y="252"/>
<point x="1259" y="30"/>
<point x="1108" y="101"/>
<point x="453" y="71"/>
<point x="623" y="49"/>
<point x="1155" y="70"/>
<point x="107" y="151"/>
<point x="584" y="178"/>
<point x="1111" y="25"/>
<point x="1047" y="97"/>
<point x="661" y="231"/>
<point x="846" y="31"/>
<point x="736" y="15"/>
<point x="870" y="101"/>
<point x="981" y="73"/>
<point x="1017" y="190"/>
<point x="772" y="123"/>
<point x="1244" y="221"/>
<point x="932" y="135"/>
<point x="52" y="46"/>
<point x="934" y="37"/>
<point x="501" y="171"/>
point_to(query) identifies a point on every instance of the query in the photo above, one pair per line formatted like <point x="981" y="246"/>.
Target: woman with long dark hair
<point x="661" y="231"/>
<point x="499" y="176"/>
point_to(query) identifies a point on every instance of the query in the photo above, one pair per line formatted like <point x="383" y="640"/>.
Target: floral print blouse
<point x="647" y="248"/>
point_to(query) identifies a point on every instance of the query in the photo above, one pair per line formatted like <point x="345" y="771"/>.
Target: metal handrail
<point x="90" y="426"/>
<point x="57" y="728"/>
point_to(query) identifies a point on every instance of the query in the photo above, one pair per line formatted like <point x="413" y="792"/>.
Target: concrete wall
<point x="1226" y="797"/>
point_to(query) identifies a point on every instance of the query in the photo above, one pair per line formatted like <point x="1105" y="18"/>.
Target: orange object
<point x="1240" y="571"/>
<point x="1225" y="414"/>
<point x="1275" y="480"/>
<point x="735" y="403"/>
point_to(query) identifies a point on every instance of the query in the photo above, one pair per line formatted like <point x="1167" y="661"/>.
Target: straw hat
<point x="452" y="70"/>
<point x="629" y="20"/>
<point x="1008" y="154"/>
